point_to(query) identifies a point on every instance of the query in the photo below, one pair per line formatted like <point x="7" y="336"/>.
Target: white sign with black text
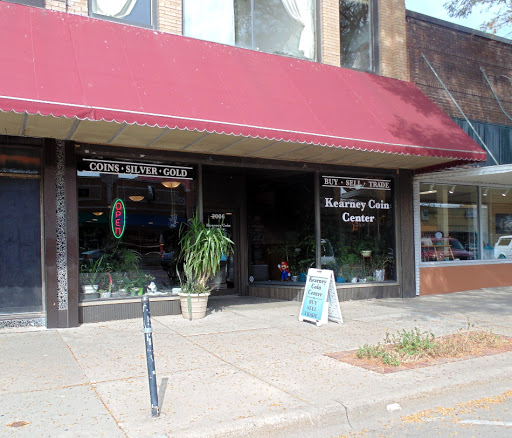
<point x="320" y="302"/>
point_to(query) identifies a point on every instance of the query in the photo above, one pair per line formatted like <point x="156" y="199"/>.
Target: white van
<point x="503" y="248"/>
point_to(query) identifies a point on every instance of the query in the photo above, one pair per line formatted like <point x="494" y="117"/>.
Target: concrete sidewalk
<point x="250" y="368"/>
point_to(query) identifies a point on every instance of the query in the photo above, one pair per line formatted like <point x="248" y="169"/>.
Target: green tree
<point x="501" y="10"/>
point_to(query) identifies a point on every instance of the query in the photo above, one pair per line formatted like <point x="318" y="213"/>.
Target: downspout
<point x="493" y="92"/>
<point x="459" y="108"/>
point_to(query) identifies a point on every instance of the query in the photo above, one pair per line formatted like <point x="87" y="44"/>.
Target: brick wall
<point x="330" y="32"/>
<point x="457" y="56"/>
<point x="170" y="16"/>
<point x="392" y="39"/>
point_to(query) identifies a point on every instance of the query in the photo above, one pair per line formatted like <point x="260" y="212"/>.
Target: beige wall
<point x="330" y="32"/>
<point x="392" y="39"/>
<point x="170" y="16"/>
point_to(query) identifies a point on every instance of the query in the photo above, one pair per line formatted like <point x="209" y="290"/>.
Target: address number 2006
<point x="218" y="216"/>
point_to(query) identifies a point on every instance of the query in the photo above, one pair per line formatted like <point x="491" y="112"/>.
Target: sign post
<point x="320" y="302"/>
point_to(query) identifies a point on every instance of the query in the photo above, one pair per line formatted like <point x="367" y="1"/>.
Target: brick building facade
<point x="258" y="127"/>
<point x="458" y="54"/>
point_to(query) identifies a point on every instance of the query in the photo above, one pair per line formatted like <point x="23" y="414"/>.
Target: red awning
<point x="81" y="68"/>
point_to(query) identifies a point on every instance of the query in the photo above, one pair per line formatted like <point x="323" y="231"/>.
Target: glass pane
<point x="497" y="223"/>
<point x="358" y="228"/>
<point x="285" y="27"/>
<point x="136" y="12"/>
<point x="355" y="34"/>
<point x="39" y="3"/>
<point x="449" y="222"/>
<point x="280" y="225"/>
<point x="210" y="20"/>
<point x="147" y="252"/>
<point x="20" y="234"/>
<point x="20" y="161"/>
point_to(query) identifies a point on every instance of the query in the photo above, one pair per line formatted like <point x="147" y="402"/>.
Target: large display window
<point x="129" y="221"/>
<point x="358" y="228"/>
<point x="456" y="226"/>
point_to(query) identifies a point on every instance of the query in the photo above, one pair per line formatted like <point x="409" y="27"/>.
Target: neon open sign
<point x="118" y="218"/>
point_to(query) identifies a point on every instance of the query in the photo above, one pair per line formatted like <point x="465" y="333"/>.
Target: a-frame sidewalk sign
<point x="320" y="302"/>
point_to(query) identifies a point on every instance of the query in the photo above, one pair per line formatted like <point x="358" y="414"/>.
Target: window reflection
<point x="356" y="34"/>
<point x="497" y="223"/>
<point x="358" y="228"/>
<point x="449" y="222"/>
<point x="147" y="252"/>
<point x="285" y="27"/>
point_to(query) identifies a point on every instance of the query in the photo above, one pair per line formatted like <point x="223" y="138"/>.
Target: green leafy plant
<point x="91" y="271"/>
<point x="202" y="248"/>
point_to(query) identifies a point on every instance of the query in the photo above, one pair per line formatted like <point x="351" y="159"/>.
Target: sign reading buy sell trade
<point x="320" y="301"/>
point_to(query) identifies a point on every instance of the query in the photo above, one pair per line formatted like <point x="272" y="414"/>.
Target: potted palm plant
<point x="202" y="248"/>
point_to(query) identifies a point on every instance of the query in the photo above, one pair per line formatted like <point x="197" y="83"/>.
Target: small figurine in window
<point x="285" y="271"/>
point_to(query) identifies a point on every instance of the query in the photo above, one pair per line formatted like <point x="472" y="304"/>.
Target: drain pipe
<point x="460" y="109"/>
<point x="494" y="93"/>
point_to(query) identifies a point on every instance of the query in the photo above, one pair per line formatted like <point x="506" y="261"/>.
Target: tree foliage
<point x="501" y="10"/>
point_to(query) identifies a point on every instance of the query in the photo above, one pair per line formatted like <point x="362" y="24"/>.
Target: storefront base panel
<point x="447" y="279"/>
<point x="22" y="320"/>
<point x="345" y="293"/>
<point x="126" y="309"/>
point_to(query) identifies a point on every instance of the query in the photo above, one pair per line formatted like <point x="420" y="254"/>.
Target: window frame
<point x="153" y="14"/>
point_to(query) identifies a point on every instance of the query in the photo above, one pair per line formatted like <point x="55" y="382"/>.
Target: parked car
<point x="439" y="249"/>
<point x="503" y="248"/>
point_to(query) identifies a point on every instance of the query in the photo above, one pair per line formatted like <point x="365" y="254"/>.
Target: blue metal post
<point x="148" y="337"/>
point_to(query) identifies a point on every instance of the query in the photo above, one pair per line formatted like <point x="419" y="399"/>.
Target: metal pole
<point x="148" y="337"/>
<point x="459" y="108"/>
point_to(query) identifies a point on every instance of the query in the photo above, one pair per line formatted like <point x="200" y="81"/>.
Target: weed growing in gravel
<point x="415" y="346"/>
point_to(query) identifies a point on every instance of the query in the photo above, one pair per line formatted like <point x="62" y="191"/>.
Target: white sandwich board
<point x="320" y="302"/>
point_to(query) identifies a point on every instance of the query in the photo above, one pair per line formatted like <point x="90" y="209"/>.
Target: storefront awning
<point x="72" y="77"/>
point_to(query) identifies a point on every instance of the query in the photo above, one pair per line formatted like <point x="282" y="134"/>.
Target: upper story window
<point x="137" y="12"/>
<point x="38" y="3"/>
<point x="358" y="24"/>
<point x="284" y="27"/>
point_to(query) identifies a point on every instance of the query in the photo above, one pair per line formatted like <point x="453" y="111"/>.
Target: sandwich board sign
<point x="320" y="302"/>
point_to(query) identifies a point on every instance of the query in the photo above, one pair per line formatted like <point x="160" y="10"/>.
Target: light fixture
<point x="430" y="191"/>
<point x="136" y="198"/>
<point x="97" y="213"/>
<point x="505" y="193"/>
<point x="452" y="189"/>
<point x="171" y="184"/>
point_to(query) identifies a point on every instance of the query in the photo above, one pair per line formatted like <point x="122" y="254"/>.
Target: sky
<point x="434" y="8"/>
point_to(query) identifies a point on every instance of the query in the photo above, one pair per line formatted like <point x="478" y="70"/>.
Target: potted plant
<point x="379" y="264"/>
<point x="202" y="248"/>
<point x="89" y="277"/>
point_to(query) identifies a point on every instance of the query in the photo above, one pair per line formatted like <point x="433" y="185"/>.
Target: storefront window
<point x="497" y="223"/>
<point x="129" y="221"/>
<point x="449" y="222"/>
<point x="285" y="27"/>
<point x="281" y="225"/>
<point x="358" y="238"/>
<point x="20" y="233"/>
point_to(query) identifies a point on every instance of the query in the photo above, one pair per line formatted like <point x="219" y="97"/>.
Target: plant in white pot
<point x="89" y="277"/>
<point x="202" y="248"/>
